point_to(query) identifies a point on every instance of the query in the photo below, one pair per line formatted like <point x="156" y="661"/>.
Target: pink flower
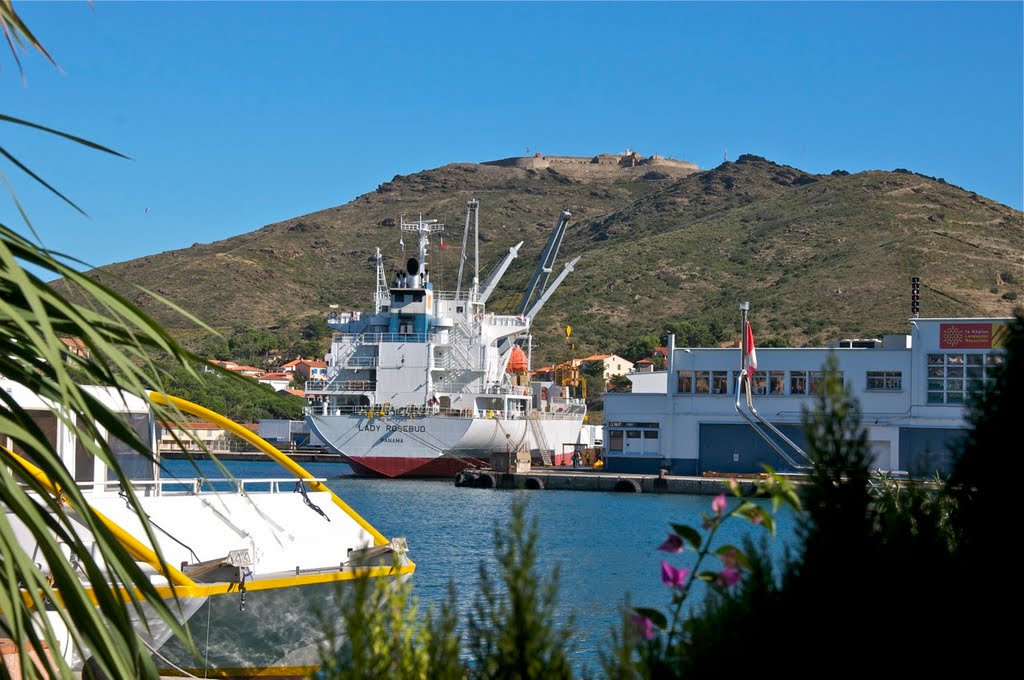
<point x="672" y="544"/>
<point x="673" y="577"/>
<point x="643" y="626"/>
<point x="728" y="577"/>
<point x="718" y="505"/>
<point x="730" y="574"/>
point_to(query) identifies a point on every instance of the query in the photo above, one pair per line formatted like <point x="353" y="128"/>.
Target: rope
<point x="167" y="661"/>
<point x="137" y="511"/>
<point x="300" y="487"/>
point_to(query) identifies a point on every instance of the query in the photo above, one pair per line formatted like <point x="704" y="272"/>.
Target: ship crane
<point x="546" y="264"/>
<point x="539" y="282"/>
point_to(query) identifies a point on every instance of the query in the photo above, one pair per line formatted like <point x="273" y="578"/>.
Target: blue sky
<point x="241" y="114"/>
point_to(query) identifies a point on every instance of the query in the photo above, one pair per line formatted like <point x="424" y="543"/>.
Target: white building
<point x="912" y="390"/>
<point x="613" y="364"/>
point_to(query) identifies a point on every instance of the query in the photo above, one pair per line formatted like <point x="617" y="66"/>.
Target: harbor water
<point x="602" y="543"/>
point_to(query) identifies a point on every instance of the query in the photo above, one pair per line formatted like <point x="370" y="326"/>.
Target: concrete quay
<point x="588" y="479"/>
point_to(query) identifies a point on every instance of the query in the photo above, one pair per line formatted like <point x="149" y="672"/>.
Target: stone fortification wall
<point x="605" y="162"/>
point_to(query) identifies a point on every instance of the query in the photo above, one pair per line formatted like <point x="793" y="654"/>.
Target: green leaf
<point x="708" y="576"/>
<point x="688" y="534"/>
<point x="740" y="556"/>
<point x="756" y="514"/>
<point x="656" y="617"/>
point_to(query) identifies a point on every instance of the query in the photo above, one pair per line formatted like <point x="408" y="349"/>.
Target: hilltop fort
<point x="604" y="163"/>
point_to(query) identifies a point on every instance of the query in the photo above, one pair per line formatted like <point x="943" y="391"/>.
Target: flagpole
<point x="744" y="308"/>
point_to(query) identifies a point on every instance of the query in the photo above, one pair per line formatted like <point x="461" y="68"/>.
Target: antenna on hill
<point x="725" y="156"/>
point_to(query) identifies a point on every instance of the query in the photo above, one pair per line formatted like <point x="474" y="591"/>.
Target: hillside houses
<point x="614" y="365"/>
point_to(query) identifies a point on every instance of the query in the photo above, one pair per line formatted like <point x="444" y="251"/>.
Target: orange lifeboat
<point x="517" y="362"/>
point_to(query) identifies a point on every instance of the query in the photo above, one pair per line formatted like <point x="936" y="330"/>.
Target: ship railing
<point x="387" y="411"/>
<point x="518" y="320"/>
<point x="330" y="386"/>
<point x="460" y="356"/>
<point x="378" y="338"/>
<point x="557" y="415"/>
<point x="508" y="389"/>
<point x="467" y="296"/>
<point x="198" y="486"/>
<point x="465" y="386"/>
<point x="359" y="362"/>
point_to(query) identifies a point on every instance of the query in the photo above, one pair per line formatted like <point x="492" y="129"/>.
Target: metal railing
<point x="318" y="386"/>
<point x="200" y="486"/>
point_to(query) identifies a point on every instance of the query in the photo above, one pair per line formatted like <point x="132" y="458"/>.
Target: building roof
<point x="291" y="364"/>
<point x="294" y="392"/>
<point x="276" y="376"/>
<point x="244" y="369"/>
<point x="597" y="357"/>
<point x="75" y="344"/>
<point x="314" y="363"/>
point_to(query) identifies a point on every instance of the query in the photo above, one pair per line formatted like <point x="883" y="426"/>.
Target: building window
<point x="776" y="382"/>
<point x="720" y="382"/>
<point x="651" y="434"/>
<point x="633" y="434"/>
<point x="702" y="382"/>
<point x="884" y="381"/>
<point x="615" y="440"/>
<point x="798" y="382"/>
<point x="817" y="381"/>
<point x="685" y="382"/>
<point x="953" y="378"/>
<point x="759" y="383"/>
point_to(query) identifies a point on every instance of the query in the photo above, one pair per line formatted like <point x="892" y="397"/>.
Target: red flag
<point x="442" y="243"/>
<point x="751" y="354"/>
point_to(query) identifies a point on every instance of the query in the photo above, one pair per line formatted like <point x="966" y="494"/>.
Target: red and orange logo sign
<point x="972" y="335"/>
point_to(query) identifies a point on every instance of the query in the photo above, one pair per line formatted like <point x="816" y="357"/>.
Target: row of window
<point x="762" y="382"/>
<point x="952" y="377"/>
<point x="635" y="441"/>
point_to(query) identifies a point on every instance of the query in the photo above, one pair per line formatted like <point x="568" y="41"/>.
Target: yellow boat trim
<point x="267" y="448"/>
<point x="213" y="589"/>
<point x="278" y="672"/>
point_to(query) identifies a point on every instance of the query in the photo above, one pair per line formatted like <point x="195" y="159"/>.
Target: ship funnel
<point x="413" y="266"/>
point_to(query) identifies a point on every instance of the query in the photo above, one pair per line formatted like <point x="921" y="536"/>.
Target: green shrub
<point x="510" y="634"/>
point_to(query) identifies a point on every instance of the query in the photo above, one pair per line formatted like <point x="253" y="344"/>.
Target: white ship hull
<point x="442" y="446"/>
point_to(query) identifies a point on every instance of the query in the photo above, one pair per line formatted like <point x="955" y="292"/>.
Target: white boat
<point x="431" y="383"/>
<point x="248" y="565"/>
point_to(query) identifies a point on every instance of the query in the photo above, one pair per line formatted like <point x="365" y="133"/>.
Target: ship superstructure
<point x="430" y="382"/>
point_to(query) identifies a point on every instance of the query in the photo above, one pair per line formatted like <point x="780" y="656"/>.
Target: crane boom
<point x="547" y="262"/>
<point x="498" y="272"/>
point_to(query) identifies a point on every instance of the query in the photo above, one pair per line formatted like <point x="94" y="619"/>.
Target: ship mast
<point x="472" y="208"/>
<point x="417" y="268"/>
<point x="381" y="297"/>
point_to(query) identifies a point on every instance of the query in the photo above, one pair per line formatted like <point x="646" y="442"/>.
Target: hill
<point x="817" y="256"/>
